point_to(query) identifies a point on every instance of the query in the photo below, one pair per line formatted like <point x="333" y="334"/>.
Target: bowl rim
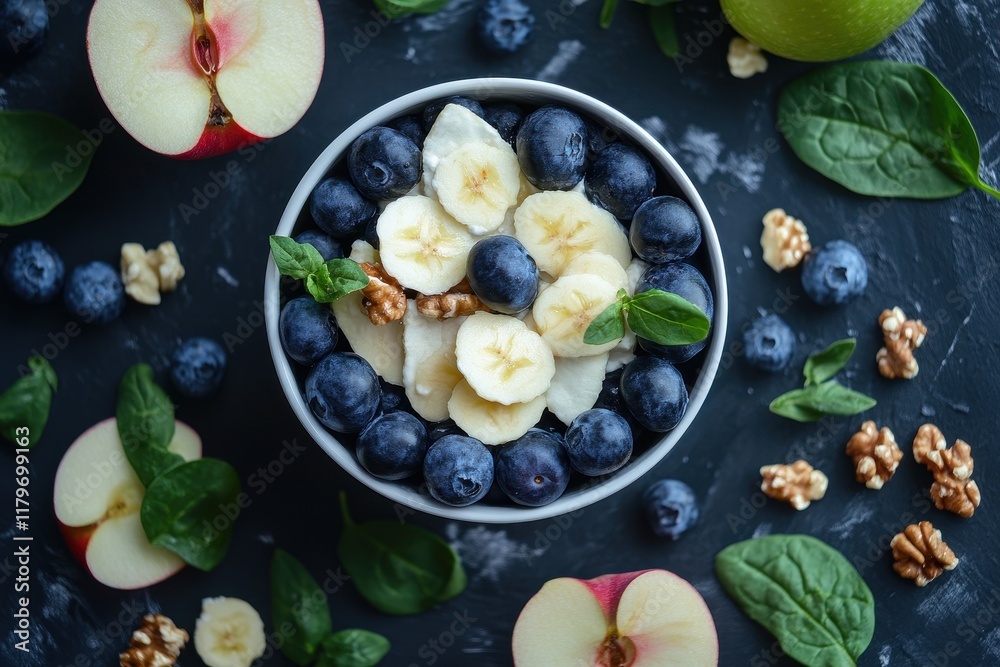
<point x="481" y="88"/>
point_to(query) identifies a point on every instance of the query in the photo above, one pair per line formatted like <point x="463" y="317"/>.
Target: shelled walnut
<point x="456" y="302"/>
<point x="875" y="454"/>
<point x="147" y="273"/>
<point x="797" y="484"/>
<point x="953" y="489"/>
<point x="745" y="58"/>
<point x="156" y="643"/>
<point x="921" y="554"/>
<point x="902" y="336"/>
<point x="383" y="298"/>
<point x="785" y="240"/>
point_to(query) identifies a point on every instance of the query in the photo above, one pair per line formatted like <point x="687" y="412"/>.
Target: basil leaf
<point x="804" y="592"/>
<point x="882" y="128"/>
<point x="182" y="508"/>
<point x="608" y="12"/>
<point x="296" y="260"/>
<point x="298" y="603"/>
<point x="346" y="276"/>
<point x="815" y="401"/>
<point x="607" y="326"/>
<point x="42" y="164"/>
<point x="823" y="365"/>
<point x="399" y="568"/>
<point x="791" y="406"/>
<point x="661" y="20"/>
<point x="325" y="282"/>
<point x="26" y="403"/>
<point x="145" y="418"/>
<point x="353" y="648"/>
<point x="666" y="318"/>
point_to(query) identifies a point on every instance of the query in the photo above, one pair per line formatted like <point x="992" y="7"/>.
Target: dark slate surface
<point x="935" y="259"/>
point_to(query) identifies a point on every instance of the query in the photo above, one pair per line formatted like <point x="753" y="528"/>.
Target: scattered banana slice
<point x="477" y="183"/>
<point x="599" y="264"/>
<point x="576" y="386"/>
<point x="556" y="227"/>
<point x="493" y="423"/>
<point x="565" y="309"/>
<point x="454" y="127"/>
<point x="430" y="369"/>
<point x="382" y="347"/>
<point x="229" y="633"/>
<point x="421" y="246"/>
<point x="502" y="360"/>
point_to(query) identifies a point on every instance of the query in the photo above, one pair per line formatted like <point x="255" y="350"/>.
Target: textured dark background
<point x="937" y="260"/>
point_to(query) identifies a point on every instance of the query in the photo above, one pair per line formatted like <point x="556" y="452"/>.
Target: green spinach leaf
<point x="353" y="648"/>
<point x="26" y="403"/>
<point x="299" y="609"/>
<point x="823" y="365"/>
<point x="664" y="25"/>
<point x="145" y="424"/>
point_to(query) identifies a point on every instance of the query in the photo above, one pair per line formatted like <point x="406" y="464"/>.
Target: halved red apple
<point x="97" y="499"/>
<point x="196" y="78"/>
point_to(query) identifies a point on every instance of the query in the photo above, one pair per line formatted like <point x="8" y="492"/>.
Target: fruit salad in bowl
<point x="496" y="300"/>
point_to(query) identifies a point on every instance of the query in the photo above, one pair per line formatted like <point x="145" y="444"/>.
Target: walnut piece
<point x="745" y="59"/>
<point x="953" y="489"/>
<point x="785" y="240"/>
<point x="797" y="484"/>
<point x="156" y="643"/>
<point x="456" y="302"/>
<point x="167" y="262"/>
<point x="383" y="298"/>
<point x="875" y="453"/>
<point x="902" y="337"/>
<point x="147" y="273"/>
<point x="921" y="554"/>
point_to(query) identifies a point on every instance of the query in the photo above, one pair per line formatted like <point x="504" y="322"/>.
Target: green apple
<point x="817" y="30"/>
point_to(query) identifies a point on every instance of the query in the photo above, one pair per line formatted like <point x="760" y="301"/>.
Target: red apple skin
<point x="219" y="141"/>
<point x="77" y="539"/>
<point x="608" y="590"/>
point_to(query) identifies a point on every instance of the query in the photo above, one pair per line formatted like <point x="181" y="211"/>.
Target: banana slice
<point x="635" y="269"/>
<point x="557" y="226"/>
<point x="477" y="183"/>
<point x="493" y="423"/>
<point x="430" y="369"/>
<point x="421" y="246"/>
<point x="502" y="359"/>
<point x="623" y="353"/>
<point x="565" y="309"/>
<point x="599" y="264"/>
<point x="363" y="251"/>
<point x="454" y="127"/>
<point x="229" y="633"/>
<point x="382" y="347"/>
<point x="576" y="386"/>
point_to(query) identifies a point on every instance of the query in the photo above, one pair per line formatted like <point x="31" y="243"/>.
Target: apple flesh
<point x="97" y="499"/>
<point x="651" y="618"/>
<point x="196" y="78"/>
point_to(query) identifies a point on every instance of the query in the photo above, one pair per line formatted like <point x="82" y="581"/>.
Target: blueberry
<point x="384" y="164"/>
<point x="599" y="442"/>
<point x="611" y="393"/>
<point x="412" y="127"/>
<point x="197" y="367"/>
<point x="393" y="446"/>
<point x="432" y="110"/>
<point x="324" y="244"/>
<point x="671" y="507"/>
<point x="94" y="292"/>
<point x="769" y="343"/>
<point x="339" y="209"/>
<point x="534" y="470"/>
<point x="34" y="272"/>
<point x="504" y="26"/>
<point x="620" y="179"/>
<point x="24" y="25"/>
<point x="506" y="119"/>
<point x="685" y="281"/>
<point x="393" y="398"/>
<point x="654" y="392"/>
<point x="598" y="137"/>
<point x="458" y="470"/>
<point x="342" y="391"/>
<point x="665" y="229"/>
<point x="834" y="273"/>
<point x="371" y="233"/>
<point x="502" y="274"/>
<point x="308" y="330"/>
<point x="552" y="148"/>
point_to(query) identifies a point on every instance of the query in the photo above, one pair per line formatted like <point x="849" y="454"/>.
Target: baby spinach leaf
<point x="608" y="10"/>
<point x="607" y="326"/>
<point x="26" y="403"/>
<point x="882" y="128"/>
<point x="42" y="164"/>
<point x="182" y="511"/>
<point x="804" y="592"/>
<point x="299" y="609"/>
<point x="663" y="23"/>
<point x="353" y="648"/>
<point x="666" y="318"/>
<point x="145" y="424"/>
<point x="399" y="568"/>
<point x="823" y="365"/>
<point x="325" y="281"/>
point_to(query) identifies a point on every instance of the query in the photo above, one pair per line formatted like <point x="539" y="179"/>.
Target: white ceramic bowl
<point x="529" y="93"/>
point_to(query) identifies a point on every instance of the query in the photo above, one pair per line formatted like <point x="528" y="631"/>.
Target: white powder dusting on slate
<point x="911" y="44"/>
<point x="490" y="553"/>
<point x="568" y="51"/>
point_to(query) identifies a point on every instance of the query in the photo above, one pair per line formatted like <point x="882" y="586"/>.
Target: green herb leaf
<point x="823" y="365"/>
<point x="296" y="260"/>
<point x="815" y="401"/>
<point x="325" y="281"/>
<point x="353" y="648"/>
<point x="145" y="424"/>
<point x="182" y="511"/>
<point x="606" y="327"/>
<point x="882" y="128"/>
<point x="608" y="12"/>
<point x="661" y="20"/>
<point x="804" y="592"/>
<point x="399" y="568"/>
<point x="666" y="318"/>
<point x="43" y="164"/>
<point x="25" y="405"/>
<point x="395" y="9"/>
<point x="299" y="605"/>
<point x="788" y="405"/>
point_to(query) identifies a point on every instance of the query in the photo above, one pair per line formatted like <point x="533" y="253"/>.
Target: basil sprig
<point x="26" y="403"/>
<point x="822" y="395"/>
<point x="661" y="22"/>
<point x="662" y="317"/>
<point x="325" y="281"/>
<point x="882" y="128"/>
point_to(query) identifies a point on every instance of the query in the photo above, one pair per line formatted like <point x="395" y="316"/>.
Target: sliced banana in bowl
<point x="566" y="308"/>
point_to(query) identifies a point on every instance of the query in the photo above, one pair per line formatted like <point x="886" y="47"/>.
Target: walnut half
<point x="383" y="298"/>
<point x="156" y="643"/>
<point x="784" y="240"/>
<point x="797" y="484"/>
<point x="921" y="554"/>
<point x="953" y="489"/>
<point x="458" y="301"/>
<point x="875" y="453"/>
<point x="147" y="273"/>
<point x="902" y="336"/>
